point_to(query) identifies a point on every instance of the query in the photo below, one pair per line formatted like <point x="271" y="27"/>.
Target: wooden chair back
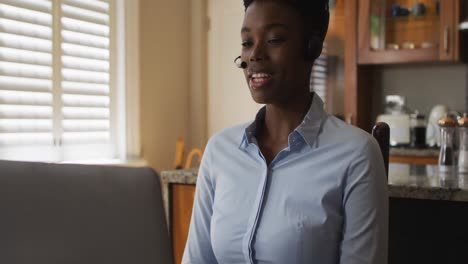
<point x="381" y="132"/>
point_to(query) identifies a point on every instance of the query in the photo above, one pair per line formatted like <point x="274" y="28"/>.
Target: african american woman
<point x="296" y="185"/>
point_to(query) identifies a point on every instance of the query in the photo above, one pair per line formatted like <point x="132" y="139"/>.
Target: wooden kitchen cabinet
<point x="385" y="36"/>
<point x="181" y="204"/>
<point x="363" y="56"/>
<point x="414" y="160"/>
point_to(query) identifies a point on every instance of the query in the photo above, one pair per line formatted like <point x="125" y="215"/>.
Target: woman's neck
<point x="281" y="120"/>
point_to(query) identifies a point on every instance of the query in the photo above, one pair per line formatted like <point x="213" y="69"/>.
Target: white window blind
<point x="318" y="79"/>
<point x="55" y="79"/>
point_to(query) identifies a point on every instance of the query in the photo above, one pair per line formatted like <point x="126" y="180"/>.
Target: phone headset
<point x="313" y="47"/>
<point x="314" y="40"/>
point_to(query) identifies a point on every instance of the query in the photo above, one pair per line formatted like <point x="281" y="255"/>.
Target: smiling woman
<point x="296" y="185"/>
<point x="283" y="40"/>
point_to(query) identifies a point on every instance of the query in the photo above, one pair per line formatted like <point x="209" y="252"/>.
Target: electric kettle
<point x="432" y="131"/>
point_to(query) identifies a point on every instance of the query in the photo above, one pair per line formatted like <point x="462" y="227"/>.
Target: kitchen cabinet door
<point x="182" y="197"/>
<point x="407" y="31"/>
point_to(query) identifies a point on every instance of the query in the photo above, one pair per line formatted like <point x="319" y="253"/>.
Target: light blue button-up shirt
<point x="323" y="199"/>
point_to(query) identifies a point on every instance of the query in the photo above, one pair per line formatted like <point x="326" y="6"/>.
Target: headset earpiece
<point x="313" y="48"/>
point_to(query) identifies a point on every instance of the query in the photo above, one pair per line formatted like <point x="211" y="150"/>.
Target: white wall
<point x="164" y="78"/>
<point x="423" y="86"/>
<point x="198" y="135"/>
<point x="189" y="85"/>
<point x="229" y="100"/>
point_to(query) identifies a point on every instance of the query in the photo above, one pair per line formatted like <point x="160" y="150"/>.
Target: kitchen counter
<point x="175" y="177"/>
<point x="424" y="182"/>
<point x="404" y="181"/>
<point x="180" y="176"/>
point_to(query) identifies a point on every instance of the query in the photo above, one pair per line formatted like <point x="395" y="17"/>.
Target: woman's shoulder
<point x="337" y="131"/>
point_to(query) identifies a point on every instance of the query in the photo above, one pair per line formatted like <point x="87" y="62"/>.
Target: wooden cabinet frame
<point x="360" y="61"/>
<point x="447" y="50"/>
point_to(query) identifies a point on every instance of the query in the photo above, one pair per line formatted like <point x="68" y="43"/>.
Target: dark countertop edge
<point x="428" y="193"/>
<point x="394" y="191"/>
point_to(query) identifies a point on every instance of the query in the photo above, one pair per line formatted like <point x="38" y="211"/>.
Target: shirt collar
<point x="308" y="129"/>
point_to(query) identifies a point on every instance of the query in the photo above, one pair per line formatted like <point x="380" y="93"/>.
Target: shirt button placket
<point x="253" y="229"/>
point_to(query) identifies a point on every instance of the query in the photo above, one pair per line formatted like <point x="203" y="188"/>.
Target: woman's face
<point x="273" y="47"/>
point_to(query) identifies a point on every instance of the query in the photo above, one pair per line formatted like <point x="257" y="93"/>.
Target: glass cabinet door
<point x="396" y="31"/>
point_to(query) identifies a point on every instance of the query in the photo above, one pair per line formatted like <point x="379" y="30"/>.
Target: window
<point x="58" y="95"/>
<point x="327" y="77"/>
<point x="318" y="79"/>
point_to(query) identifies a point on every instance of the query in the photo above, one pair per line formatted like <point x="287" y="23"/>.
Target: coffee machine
<point x="398" y="119"/>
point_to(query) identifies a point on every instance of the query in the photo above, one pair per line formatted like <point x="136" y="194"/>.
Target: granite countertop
<point x="180" y="176"/>
<point x="425" y="182"/>
<point x="404" y="181"/>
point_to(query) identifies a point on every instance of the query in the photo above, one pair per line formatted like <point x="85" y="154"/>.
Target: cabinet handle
<point x="446" y="39"/>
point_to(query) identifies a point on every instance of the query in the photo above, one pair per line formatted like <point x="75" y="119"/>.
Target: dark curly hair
<point x="314" y="12"/>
